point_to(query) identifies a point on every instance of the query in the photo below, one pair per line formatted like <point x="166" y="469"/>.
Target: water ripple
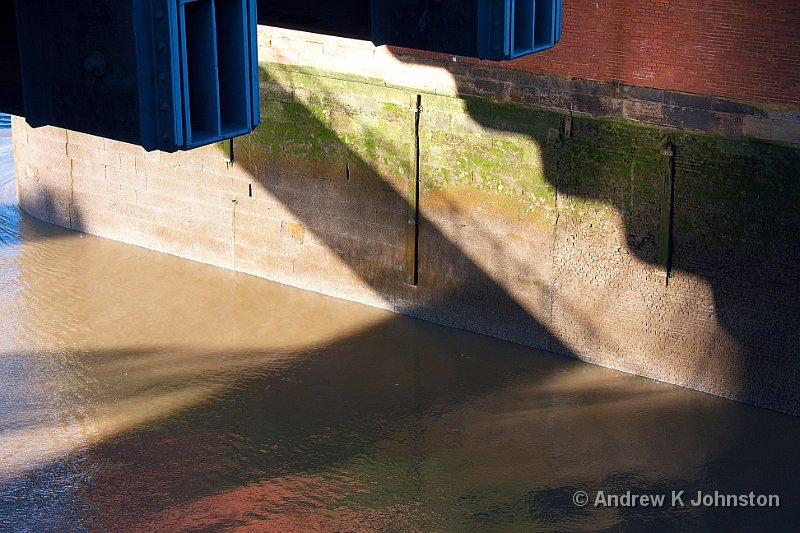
<point x="142" y="392"/>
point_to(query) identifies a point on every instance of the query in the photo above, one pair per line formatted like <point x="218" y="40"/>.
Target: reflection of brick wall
<point x="526" y="233"/>
<point x="743" y="49"/>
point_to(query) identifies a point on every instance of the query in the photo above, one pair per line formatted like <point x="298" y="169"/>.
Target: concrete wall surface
<point x="578" y="234"/>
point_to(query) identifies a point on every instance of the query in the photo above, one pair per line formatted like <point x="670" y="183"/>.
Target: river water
<point x="139" y="391"/>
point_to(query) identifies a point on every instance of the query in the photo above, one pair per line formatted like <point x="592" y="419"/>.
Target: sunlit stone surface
<point x="142" y="391"/>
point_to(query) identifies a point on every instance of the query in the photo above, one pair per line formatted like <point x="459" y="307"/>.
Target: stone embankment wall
<point x="659" y="251"/>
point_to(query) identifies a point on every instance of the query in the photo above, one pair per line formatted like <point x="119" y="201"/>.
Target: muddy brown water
<point x="139" y="391"/>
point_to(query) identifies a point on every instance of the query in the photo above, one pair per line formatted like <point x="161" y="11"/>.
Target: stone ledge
<point x="361" y="61"/>
<point x="658" y="107"/>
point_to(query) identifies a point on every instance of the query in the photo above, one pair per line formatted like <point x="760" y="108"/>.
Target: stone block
<point x="773" y="130"/>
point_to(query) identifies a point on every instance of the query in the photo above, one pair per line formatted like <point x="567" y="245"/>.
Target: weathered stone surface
<point x="525" y="234"/>
<point x="770" y="129"/>
<point x="608" y="99"/>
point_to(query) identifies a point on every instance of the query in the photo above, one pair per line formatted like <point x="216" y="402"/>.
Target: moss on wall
<point x="516" y="155"/>
<point x="564" y="225"/>
<point x="529" y="230"/>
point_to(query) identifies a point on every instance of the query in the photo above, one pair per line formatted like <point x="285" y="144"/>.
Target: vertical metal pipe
<point x="412" y="227"/>
<point x="667" y="212"/>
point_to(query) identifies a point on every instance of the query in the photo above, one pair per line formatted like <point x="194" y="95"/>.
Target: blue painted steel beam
<point x="176" y="74"/>
<point x="164" y="74"/>
<point x="487" y="29"/>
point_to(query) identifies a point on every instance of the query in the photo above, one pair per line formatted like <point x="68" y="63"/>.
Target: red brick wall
<point x="743" y="49"/>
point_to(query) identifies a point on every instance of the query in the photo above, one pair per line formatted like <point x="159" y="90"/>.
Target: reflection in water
<point x="141" y="391"/>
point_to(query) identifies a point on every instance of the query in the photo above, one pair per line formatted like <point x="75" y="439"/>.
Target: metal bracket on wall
<point x="667" y="212"/>
<point x="227" y="152"/>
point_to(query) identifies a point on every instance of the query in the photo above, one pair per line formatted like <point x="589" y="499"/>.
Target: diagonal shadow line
<point x="339" y="353"/>
<point x="626" y="179"/>
<point x="734" y="212"/>
<point x="309" y="415"/>
<point x="453" y="289"/>
<point x="330" y="405"/>
<point x="303" y="421"/>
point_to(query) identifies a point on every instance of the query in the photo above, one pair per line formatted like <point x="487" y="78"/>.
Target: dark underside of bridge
<point x="10" y="74"/>
<point x="345" y="18"/>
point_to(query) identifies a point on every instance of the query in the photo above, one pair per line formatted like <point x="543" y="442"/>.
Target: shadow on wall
<point x="339" y="164"/>
<point x="549" y="239"/>
<point x="349" y="187"/>
<point x="528" y="230"/>
<point x="338" y="423"/>
<point x="732" y="230"/>
<point x="277" y="424"/>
